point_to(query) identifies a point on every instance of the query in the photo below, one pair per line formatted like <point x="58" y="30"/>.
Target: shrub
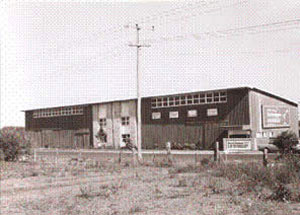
<point x="285" y="142"/>
<point x="135" y="209"/>
<point x="277" y="181"/>
<point x="205" y="162"/>
<point x="12" y="140"/>
<point x="177" y="146"/>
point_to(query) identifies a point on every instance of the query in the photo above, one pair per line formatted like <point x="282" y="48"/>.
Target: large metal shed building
<point x="200" y="118"/>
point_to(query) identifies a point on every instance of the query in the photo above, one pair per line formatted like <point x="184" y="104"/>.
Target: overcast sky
<point x="60" y="53"/>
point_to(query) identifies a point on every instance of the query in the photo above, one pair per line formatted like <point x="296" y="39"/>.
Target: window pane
<point x="182" y="100"/>
<point x="209" y="97"/>
<point x="216" y="94"/>
<point x="177" y="102"/>
<point x="165" y="102"/>
<point x="196" y="99"/>
<point x="223" y="99"/>
<point x="171" y="101"/>
<point x="190" y="99"/>
<point x="202" y="100"/>
<point x="209" y="100"/>
<point x="153" y="103"/>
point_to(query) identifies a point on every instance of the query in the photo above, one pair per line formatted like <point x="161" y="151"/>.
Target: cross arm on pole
<point x="138" y="46"/>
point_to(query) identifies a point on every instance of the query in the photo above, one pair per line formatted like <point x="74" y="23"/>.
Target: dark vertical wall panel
<point x="235" y="112"/>
<point x="90" y="123"/>
<point x="60" y="122"/>
<point x="60" y="131"/>
<point x="155" y="136"/>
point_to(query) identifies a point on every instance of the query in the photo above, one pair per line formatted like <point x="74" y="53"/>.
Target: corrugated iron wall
<point x="207" y="129"/>
<point x="60" y="138"/>
<point x="155" y="136"/>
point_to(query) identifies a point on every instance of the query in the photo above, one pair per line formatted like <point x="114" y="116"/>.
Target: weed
<point x="205" y="161"/>
<point x="85" y="192"/>
<point x="253" y="207"/>
<point x="135" y="209"/>
<point x="162" y="164"/>
<point x="185" y="169"/>
<point x="182" y="182"/>
<point x="104" y="190"/>
<point x="34" y="174"/>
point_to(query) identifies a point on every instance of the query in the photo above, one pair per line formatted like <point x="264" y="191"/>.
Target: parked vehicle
<point x="272" y="148"/>
<point x="296" y="149"/>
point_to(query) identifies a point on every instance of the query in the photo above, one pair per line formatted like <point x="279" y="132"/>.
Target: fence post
<point x="265" y="157"/>
<point x="169" y="156"/>
<point x="56" y="156"/>
<point x="34" y="154"/>
<point x="134" y="152"/>
<point x="153" y="158"/>
<point x="195" y="158"/>
<point x="120" y="156"/>
<point x="217" y="153"/>
<point x="79" y="159"/>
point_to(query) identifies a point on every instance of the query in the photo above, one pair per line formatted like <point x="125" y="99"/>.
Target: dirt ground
<point x="98" y="188"/>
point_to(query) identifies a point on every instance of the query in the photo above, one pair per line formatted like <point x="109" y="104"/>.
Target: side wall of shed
<point x="62" y="131"/>
<point x="113" y="112"/>
<point x="257" y="102"/>
<point x="192" y="130"/>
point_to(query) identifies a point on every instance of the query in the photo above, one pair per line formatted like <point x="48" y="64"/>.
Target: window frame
<point x="125" y="120"/>
<point x="102" y="122"/>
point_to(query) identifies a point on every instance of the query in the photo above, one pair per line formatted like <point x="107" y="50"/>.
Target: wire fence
<point x="152" y="156"/>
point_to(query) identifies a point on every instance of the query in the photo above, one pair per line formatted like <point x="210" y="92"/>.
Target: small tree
<point x="10" y="146"/>
<point x="285" y="142"/>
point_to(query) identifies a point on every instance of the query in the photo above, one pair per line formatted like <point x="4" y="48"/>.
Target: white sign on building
<point x="192" y="113"/>
<point x="212" y="112"/>
<point x="173" y="114"/>
<point x="156" y="115"/>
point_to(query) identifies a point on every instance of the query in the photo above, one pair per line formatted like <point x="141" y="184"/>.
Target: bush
<point x="285" y="142"/>
<point x="282" y="180"/>
<point x="12" y="140"/>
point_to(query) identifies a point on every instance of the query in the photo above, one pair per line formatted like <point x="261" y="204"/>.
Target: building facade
<point x="198" y="118"/>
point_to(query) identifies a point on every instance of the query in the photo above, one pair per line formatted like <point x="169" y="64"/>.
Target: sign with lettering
<point x="237" y="144"/>
<point x="212" y="112"/>
<point x="276" y="116"/>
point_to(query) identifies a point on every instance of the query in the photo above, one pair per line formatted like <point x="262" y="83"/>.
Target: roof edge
<point x="274" y="96"/>
<point x="130" y="99"/>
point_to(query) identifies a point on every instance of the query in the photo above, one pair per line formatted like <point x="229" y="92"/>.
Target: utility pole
<point x="138" y="78"/>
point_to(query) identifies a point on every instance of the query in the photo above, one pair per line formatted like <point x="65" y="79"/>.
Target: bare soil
<point x="64" y="188"/>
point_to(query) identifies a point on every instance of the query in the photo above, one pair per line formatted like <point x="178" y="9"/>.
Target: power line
<point x="284" y="25"/>
<point x="192" y="15"/>
<point x="253" y="29"/>
<point x="160" y="15"/>
<point x="225" y="52"/>
<point x="120" y="28"/>
<point x="212" y="33"/>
